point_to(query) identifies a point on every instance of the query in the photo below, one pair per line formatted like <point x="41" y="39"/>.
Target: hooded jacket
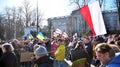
<point x="115" y="62"/>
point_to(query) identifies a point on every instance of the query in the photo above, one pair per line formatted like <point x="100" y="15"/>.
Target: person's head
<point x="80" y="44"/>
<point x="25" y="43"/>
<point x="7" y="47"/>
<point x="59" y="41"/>
<point x="40" y="52"/>
<point x="87" y="40"/>
<point x="104" y="52"/>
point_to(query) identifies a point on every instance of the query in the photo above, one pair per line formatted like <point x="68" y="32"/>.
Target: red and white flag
<point x="64" y="35"/>
<point x="93" y="16"/>
<point x="58" y="31"/>
<point x="55" y="34"/>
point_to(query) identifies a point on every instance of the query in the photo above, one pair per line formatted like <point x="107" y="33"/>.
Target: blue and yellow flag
<point x="40" y="36"/>
<point x="29" y="36"/>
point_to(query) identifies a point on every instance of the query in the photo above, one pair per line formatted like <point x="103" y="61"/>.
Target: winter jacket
<point x="89" y="48"/>
<point x="60" y="53"/>
<point x="115" y="62"/>
<point x="78" y="53"/>
<point x="1" y="52"/>
<point x="8" y="59"/>
<point x="44" y="61"/>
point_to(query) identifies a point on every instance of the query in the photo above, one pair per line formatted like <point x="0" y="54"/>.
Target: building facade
<point x="69" y="24"/>
<point x="75" y="23"/>
<point x="111" y="19"/>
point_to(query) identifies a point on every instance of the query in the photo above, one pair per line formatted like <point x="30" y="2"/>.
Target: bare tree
<point x="79" y="3"/>
<point x="27" y="11"/>
<point x="8" y="23"/>
<point x="19" y="23"/>
<point x="32" y="16"/>
<point x="13" y="23"/>
<point x="1" y="28"/>
<point x="40" y="19"/>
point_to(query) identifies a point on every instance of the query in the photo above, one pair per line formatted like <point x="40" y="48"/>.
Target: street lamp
<point x="37" y="16"/>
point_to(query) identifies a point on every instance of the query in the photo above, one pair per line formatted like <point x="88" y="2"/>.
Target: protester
<point x="8" y="58"/>
<point x="53" y="48"/>
<point x="107" y="56"/>
<point x="1" y="50"/>
<point x="60" y="53"/>
<point x="89" y="48"/>
<point x="79" y="55"/>
<point x="41" y="58"/>
<point x="48" y="45"/>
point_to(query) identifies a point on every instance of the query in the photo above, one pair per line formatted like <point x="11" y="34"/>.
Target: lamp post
<point x="37" y="17"/>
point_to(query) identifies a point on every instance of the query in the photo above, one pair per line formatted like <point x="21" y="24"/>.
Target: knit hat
<point x="41" y="51"/>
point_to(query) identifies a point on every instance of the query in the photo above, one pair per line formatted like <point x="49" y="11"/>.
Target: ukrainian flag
<point x="30" y="36"/>
<point x="40" y="36"/>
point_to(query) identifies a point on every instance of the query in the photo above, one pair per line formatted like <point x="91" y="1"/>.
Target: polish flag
<point x="93" y="16"/>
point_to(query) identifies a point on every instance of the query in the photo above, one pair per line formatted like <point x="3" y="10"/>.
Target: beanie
<point x="41" y="51"/>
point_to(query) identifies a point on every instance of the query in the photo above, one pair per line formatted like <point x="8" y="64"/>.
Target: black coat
<point x="78" y="53"/>
<point x="8" y="59"/>
<point x="0" y="52"/>
<point x="44" y="62"/>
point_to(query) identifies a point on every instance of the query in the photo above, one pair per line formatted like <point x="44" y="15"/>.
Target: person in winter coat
<point x="8" y="58"/>
<point x="53" y="48"/>
<point x="115" y="62"/>
<point x="60" y="53"/>
<point x="41" y="58"/>
<point x="89" y="48"/>
<point x="79" y="55"/>
<point x="107" y="55"/>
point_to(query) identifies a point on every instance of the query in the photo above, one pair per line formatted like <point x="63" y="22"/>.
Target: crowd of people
<point x="99" y="51"/>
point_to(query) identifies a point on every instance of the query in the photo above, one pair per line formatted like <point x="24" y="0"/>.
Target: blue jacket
<point x="115" y="61"/>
